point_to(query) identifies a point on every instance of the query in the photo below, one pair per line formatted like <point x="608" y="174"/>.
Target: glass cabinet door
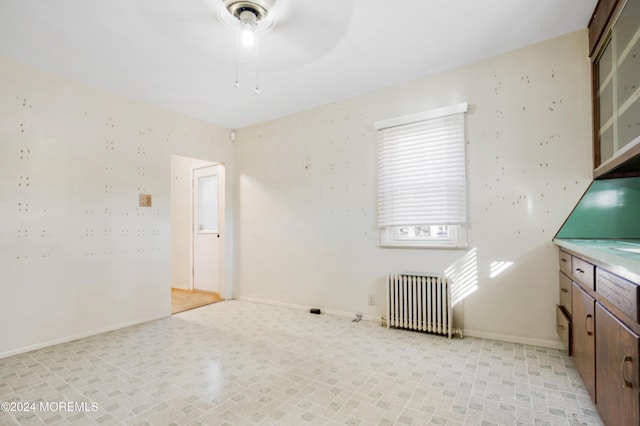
<point x="604" y="96"/>
<point x="627" y="38"/>
<point x="617" y="86"/>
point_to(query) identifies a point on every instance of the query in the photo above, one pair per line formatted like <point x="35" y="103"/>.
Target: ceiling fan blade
<point x="306" y="30"/>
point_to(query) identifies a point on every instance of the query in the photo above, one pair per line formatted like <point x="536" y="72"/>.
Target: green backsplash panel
<point x="610" y="208"/>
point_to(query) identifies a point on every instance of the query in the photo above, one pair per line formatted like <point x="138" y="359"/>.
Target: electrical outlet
<point x="372" y="299"/>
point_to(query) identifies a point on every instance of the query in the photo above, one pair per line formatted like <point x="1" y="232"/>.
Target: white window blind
<point x="421" y="169"/>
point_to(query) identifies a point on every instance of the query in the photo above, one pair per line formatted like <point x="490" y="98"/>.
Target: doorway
<point x="197" y="232"/>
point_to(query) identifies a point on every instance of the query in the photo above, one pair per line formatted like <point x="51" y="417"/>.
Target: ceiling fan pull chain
<point x="257" y="91"/>
<point x="237" y="84"/>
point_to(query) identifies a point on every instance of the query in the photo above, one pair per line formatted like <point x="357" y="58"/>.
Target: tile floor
<point x="240" y="363"/>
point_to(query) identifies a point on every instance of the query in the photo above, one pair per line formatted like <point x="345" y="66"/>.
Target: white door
<point x="206" y="229"/>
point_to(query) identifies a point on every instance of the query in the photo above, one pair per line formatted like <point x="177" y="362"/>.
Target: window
<point x="422" y="199"/>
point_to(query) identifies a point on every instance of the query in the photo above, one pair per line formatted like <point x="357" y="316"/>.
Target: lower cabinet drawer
<point x="584" y="272"/>
<point x="624" y="294"/>
<point x="564" y="328"/>
<point x="565" y="262"/>
<point x="565" y="293"/>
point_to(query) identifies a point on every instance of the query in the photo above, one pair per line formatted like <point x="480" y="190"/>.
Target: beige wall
<point x="306" y="186"/>
<point x="77" y="254"/>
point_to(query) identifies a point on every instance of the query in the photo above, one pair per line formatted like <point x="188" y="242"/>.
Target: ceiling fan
<point x="293" y="33"/>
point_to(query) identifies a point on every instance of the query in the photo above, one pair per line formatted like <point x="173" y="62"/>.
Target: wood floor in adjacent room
<point x="183" y="300"/>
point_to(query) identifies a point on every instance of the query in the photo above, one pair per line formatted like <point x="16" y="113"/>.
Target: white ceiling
<point x="180" y="54"/>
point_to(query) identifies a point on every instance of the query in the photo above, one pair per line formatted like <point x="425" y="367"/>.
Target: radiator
<point x="419" y="302"/>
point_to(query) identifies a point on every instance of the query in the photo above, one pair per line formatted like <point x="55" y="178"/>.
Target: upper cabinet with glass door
<point x="614" y="33"/>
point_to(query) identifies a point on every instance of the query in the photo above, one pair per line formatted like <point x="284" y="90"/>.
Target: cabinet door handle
<point x="564" y="290"/>
<point x="580" y="270"/>
<point x="563" y="260"/>
<point x="586" y="324"/>
<point x="626" y="383"/>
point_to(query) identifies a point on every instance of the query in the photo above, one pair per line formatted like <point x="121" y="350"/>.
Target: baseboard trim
<point x="334" y="312"/>
<point x="77" y="336"/>
<point x="551" y="344"/>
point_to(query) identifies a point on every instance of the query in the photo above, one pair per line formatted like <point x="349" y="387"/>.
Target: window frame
<point x="457" y="232"/>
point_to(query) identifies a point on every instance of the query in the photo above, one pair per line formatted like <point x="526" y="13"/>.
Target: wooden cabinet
<point x="564" y="328"/>
<point x="564" y="310"/>
<point x="583" y="335"/>
<point x="599" y="21"/>
<point x="601" y="332"/>
<point x="622" y="293"/>
<point x="565" y="262"/>
<point x="565" y="295"/>
<point x="617" y="349"/>
<point x="583" y="272"/>
<point x="614" y="40"/>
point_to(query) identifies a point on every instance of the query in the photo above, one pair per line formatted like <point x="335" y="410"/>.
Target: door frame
<point x="181" y="223"/>
<point x="221" y="224"/>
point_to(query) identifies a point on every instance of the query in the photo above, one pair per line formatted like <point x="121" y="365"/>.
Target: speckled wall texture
<point x="307" y="206"/>
<point x="77" y="253"/>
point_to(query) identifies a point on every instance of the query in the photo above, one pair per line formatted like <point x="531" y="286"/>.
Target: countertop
<point x="606" y="253"/>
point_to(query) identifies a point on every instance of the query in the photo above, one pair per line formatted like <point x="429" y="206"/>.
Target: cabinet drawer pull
<point x="627" y="383"/>
<point x="586" y="324"/>
<point x="563" y="260"/>
<point x="580" y="270"/>
<point x="564" y="290"/>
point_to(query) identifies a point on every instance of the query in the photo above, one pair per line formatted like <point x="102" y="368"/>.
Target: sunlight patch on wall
<point x="463" y="276"/>
<point x="496" y="268"/>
